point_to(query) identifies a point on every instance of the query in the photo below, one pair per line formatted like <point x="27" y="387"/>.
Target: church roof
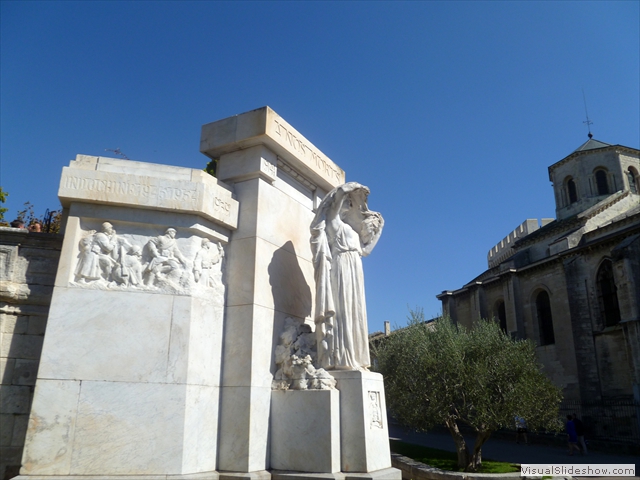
<point x="591" y="144"/>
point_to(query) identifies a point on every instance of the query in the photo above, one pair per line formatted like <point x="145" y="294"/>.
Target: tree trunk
<point x="461" y="445"/>
<point x="475" y="462"/>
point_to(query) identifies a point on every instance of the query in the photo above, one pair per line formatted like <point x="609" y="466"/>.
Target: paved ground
<point x="509" y="451"/>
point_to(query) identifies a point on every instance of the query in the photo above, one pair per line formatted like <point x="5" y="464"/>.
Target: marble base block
<point x="364" y="433"/>
<point x="305" y="430"/>
<point x="128" y="385"/>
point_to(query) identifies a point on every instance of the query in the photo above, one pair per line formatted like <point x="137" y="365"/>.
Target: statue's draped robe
<point x="350" y="343"/>
<point x="340" y="308"/>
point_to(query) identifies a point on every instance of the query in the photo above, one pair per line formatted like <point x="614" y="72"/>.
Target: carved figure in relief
<point x="97" y="252"/>
<point x="167" y="262"/>
<point x="207" y="264"/>
<point x="376" y="409"/>
<point x="130" y="267"/>
<point x="343" y="231"/>
<point x="87" y="269"/>
<point x="130" y="261"/>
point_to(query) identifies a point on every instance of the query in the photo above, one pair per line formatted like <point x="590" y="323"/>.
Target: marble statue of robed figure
<point x="343" y="231"/>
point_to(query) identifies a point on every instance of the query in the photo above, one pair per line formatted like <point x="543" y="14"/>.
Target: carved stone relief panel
<point x="141" y="260"/>
<point x="375" y="409"/>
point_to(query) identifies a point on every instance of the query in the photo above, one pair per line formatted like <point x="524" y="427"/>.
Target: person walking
<point x="521" y="429"/>
<point x="571" y="433"/>
<point x="580" y="433"/>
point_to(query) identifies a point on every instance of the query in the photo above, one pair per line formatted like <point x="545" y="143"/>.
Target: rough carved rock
<point x="295" y="356"/>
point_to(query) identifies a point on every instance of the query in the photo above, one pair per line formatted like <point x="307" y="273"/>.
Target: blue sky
<point x="450" y="112"/>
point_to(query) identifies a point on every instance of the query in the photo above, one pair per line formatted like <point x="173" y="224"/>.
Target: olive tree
<point x="439" y="373"/>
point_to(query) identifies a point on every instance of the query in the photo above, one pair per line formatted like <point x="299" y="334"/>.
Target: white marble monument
<point x="129" y="379"/>
<point x="185" y="337"/>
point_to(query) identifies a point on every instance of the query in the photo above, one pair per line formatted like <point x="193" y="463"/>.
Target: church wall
<point x="540" y="250"/>
<point x="611" y="355"/>
<point x="614" y="346"/>
<point x="463" y="309"/>
<point x="557" y="359"/>
<point x="578" y="274"/>
<point x="626" y="265"/>
<point x="493" y="293"/>
<point x="514" y="310"/>
<point x="603" y="352"/>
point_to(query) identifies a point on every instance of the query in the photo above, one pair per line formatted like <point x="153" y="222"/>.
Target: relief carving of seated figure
<point x="167" y="262"/>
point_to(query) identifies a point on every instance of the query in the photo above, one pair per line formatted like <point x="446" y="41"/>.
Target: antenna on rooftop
<point x="117" y="152"/>
<point x="588" y="122"/>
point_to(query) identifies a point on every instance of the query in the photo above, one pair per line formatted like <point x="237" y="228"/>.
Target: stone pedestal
<point x="364" y="433"/>
<point x="332" y="434"/>
<point x="305" y="430"/>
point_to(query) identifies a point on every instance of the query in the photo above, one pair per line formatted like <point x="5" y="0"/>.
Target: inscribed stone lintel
<point x="266" y="127"/>
<point x="111" y="181"/>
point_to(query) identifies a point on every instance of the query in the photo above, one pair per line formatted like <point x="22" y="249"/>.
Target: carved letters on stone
<point x="107" y="260"/>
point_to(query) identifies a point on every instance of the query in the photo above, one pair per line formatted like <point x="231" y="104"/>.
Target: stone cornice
<point x="265" y="127"/>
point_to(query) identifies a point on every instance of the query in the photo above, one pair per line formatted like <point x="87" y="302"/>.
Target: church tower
<point x="592" y="173"/>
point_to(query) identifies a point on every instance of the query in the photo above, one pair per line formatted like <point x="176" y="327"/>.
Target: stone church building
<point x="572" y="285"/>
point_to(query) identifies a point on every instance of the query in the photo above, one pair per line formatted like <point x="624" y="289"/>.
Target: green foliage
<point x="212" y="167"/>
<point x="3" y="198"/>
<point x="445" y="460"/>
<point x="438" y="373"/>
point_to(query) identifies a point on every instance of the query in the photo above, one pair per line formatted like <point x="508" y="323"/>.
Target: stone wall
<point x="28" y="265"/>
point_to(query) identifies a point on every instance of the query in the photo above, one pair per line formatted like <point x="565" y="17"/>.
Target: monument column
<point x="277" y="176"/>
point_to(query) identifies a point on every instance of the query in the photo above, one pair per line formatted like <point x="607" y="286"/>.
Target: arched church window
<point x="602" y="185"/>
<point x="607" y="295"/>
<point x="545" y="320"/>
<point x="502" y="316"/>
<point x="632" y="176"/>
<point x="572" y="191"/>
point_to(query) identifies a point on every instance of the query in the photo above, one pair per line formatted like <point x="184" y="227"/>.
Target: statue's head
<point x="344" y="209"/>
<point x="107" y="228"/>
<point x="171" y="232"/>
